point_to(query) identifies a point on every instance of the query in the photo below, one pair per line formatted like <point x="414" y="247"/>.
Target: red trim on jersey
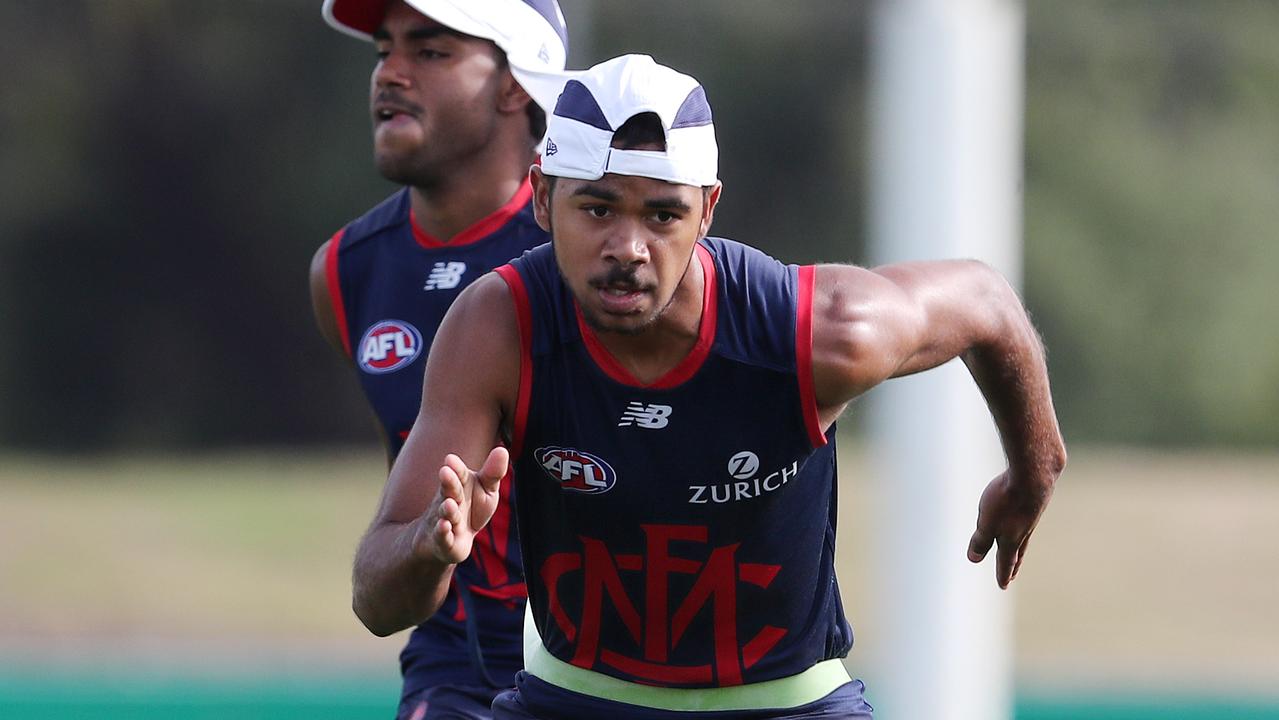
<point x="804" y="356"/>
<point x="482" y="228"/>
<point x="691" y="362"/>
<point x="335" y="289"/>
<point x="524" y="315"/>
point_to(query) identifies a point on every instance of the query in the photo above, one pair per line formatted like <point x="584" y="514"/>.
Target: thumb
<point x="494" y="467"/>
<point x="979" y="545"/>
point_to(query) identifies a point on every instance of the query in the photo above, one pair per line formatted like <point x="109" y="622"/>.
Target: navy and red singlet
<point x="680" y="533"/>
<point x="390" y="285"/>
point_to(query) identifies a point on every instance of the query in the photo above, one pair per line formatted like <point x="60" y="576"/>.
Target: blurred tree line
<point x="1152" y="174"/>
<point x="167" y="169"/>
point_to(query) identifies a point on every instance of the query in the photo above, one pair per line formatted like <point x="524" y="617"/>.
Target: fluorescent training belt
<point x="813" y="684"/>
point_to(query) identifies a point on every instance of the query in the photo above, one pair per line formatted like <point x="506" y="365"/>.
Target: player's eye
<point x="664" y="217"/>
<point x="598" y="211"/>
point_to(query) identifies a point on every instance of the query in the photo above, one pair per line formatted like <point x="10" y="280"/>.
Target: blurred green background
<point x="185" y="466"/>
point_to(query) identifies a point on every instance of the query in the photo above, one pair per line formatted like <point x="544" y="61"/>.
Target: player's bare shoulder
<point x="487" y="310"/>
<point x="478" y="346"/>
<point x="322" y="299"/>
<point x="861" y="325"/>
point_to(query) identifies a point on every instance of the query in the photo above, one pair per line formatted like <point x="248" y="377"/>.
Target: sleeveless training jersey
<point x="681" y="533"/>
<point x="390" y="285"/>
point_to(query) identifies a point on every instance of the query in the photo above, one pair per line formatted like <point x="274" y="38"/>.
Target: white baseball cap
<point x="532" y="33"/>
<point x="594" y="104"/>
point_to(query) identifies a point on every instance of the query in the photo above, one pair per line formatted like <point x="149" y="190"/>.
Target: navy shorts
<point x="534" y="699"/>
<point x="449" y="702"/>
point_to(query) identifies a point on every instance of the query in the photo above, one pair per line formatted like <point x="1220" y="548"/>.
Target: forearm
<point x="444" y="485"/>
<point x="1009" y="367"/>
<point x="394" y="586"/>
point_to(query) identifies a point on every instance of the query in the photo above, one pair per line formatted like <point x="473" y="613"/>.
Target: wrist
<point x="1040" y="470"/>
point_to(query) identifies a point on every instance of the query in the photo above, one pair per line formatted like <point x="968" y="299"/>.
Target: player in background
<point x="669" y="403"/>
<point x="458" y="99"/>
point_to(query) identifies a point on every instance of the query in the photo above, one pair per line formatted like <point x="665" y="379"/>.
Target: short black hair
<point x="641" y="129"/>
<point x="645" y="129"/>
<point x="536" y="120"/>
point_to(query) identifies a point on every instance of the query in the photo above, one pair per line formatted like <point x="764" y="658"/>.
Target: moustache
<point x="393" y="98"/>
<point x="621" y="278"/>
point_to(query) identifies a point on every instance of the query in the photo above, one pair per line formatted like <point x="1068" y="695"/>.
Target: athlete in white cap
<point x="668" y="401"/>
<point x="458" y="97"/>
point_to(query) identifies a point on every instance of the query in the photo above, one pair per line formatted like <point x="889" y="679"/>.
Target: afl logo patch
<point x="575" y="470"/>
<point x="388" y="346"/>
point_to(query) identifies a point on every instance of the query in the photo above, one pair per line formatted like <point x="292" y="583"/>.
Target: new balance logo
<point x="652" y="417"/>
<point x="444" y="276"/>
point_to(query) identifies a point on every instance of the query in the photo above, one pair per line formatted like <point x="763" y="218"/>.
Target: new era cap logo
<point x="653" y="417"/>
<point x="550" y="147"/>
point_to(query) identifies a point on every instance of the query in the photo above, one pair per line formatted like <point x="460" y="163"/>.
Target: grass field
<point x="219" y="585"/>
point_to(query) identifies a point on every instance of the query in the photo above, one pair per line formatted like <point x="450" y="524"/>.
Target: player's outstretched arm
<point x="443" y="488"/>
<point x="872" y="325"/>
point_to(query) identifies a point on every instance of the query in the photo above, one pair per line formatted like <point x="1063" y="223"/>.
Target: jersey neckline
<point x="478" y="230"/>
<point x="686" y="368"/>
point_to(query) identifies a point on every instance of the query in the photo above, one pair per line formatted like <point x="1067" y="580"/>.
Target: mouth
<point x="621" y="299"/>
<point x="388" y="114"/>
<point x="387" y="109"/>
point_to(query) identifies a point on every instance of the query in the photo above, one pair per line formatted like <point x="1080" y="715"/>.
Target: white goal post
<point x="945" y="182"/>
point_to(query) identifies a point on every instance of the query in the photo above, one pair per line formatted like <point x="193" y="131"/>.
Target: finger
<point x="979" y="545"/>
<point x="458" y="467"/>
<point x="1021" y="557"/>
<point x="451" y="510"/>
<point x="1005" y="560"/>
<point x="450" y="483"/>
<point x="444" y="537"/>
<point x="485" y="497"/>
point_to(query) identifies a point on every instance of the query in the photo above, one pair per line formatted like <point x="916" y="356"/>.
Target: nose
<point x="628" y="245"/>
<point x="391" y="71"/>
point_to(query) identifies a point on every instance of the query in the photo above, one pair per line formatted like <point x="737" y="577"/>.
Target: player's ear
<point x="542" y="186"/>
<point x="710" y="198"/>
<point x="512" y="97"/>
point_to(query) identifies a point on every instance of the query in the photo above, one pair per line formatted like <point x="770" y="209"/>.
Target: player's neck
<point x="468" y="193"/>
<point x="657" y="350"/>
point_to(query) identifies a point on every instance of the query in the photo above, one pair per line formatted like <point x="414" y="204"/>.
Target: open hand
<point x="464" y="504"/>
<point x="1007" y="515"/>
